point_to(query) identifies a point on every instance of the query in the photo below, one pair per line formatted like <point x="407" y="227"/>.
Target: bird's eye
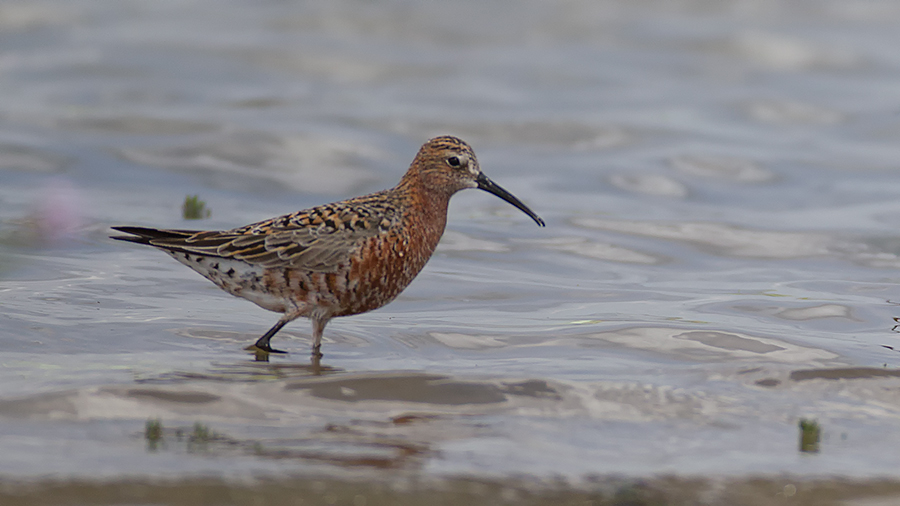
<point x="453" y="161"/>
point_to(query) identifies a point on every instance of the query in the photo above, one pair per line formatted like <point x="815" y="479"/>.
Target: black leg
<point x="263" y="342"/>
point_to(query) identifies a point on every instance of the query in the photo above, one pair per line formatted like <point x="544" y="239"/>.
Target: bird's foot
<point x="264" y="349"/>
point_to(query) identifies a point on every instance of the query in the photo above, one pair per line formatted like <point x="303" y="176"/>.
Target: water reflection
<point x="710" y="345"/>
<point x="315" y="366"/>
<point x="403" y="387"/>
<point x="722" y="239"/>
<point x="259" y="369"/>
<point x="355" y="444"/>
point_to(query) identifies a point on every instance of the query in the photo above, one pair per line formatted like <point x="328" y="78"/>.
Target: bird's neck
<point x="426" y="209"/>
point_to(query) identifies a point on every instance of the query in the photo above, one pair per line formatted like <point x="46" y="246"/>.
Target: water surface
<point x="719" y="182"/>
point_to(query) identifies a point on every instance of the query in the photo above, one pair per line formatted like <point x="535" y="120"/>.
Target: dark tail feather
<point x="142" y="235"/>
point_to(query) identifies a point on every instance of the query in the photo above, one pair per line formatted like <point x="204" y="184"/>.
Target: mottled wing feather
<point x="300" y="243"/>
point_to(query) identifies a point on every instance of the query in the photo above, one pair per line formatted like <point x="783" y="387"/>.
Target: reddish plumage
<point x="337" y="259"/>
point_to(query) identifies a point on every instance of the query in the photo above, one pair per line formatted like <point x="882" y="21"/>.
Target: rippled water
<point x="719" y="181"/>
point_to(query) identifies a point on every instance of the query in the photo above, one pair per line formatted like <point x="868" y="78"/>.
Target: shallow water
<point x="719" y="182"/>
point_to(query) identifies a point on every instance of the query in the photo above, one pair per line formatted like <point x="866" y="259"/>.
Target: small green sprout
<point x="810" y="434"/>
<point x="194" y="208"/>
<point x="153" y="433"/>
<point x="201" y="433"/>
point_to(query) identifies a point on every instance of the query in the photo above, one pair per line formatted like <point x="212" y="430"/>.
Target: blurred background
<point x="719" y="181"/>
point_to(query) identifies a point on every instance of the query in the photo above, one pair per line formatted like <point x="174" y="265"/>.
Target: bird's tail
<point x="143" y="235"/>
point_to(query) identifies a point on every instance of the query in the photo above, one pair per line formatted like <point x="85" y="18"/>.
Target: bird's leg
<point x="316" y="366"/>
<point x="263" y="342"/>
<point x="318" y="323"/>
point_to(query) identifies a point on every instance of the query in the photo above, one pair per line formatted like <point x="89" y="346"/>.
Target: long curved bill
<point x="484" y="183"/>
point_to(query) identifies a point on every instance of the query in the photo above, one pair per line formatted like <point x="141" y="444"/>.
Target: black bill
<point x="484" y="183"/>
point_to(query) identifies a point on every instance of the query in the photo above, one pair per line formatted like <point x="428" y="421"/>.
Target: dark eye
<point x="453" y="161"/>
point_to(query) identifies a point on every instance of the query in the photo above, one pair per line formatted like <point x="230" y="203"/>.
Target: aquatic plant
<point x="194" y="208"/>
<point x="153" y="433"/>
<point x="810" y="434"/>
<point x="201" y="433"/>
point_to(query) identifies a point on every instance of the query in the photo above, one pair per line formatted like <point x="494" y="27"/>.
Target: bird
<point x="337" y="259"/>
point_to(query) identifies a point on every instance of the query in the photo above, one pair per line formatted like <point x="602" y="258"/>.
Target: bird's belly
<point x="335" y="293"/>
<point x="235" y="277"/>
<point x="377" y="277"/>
<point x="374" y="276"/>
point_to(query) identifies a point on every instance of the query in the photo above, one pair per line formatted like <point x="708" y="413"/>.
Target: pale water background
<point x="720" y="182"/>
